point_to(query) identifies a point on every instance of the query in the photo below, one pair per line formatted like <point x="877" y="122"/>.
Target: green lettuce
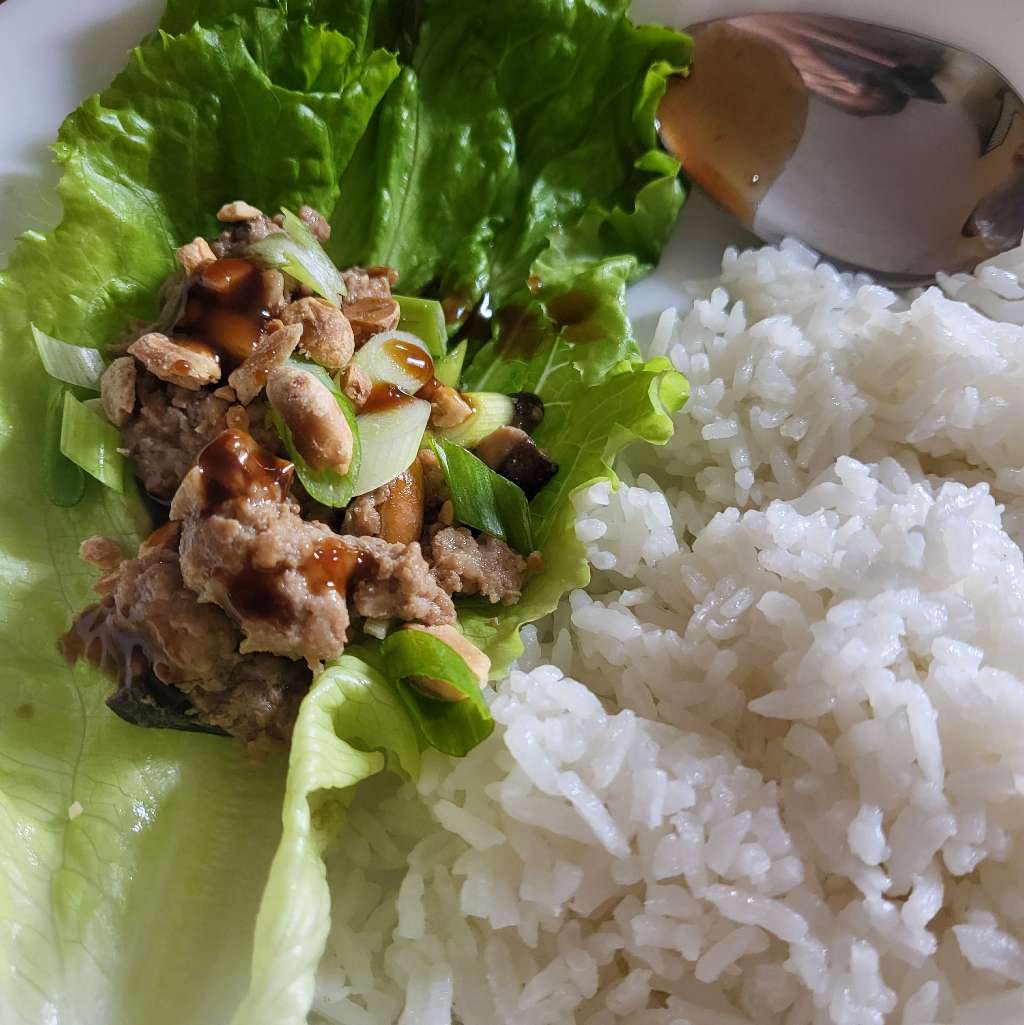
<point x="473" y="152"/>
<point x="351" y="726"/>
<point x="463" y="177"/>
<point x="112" y="916"/>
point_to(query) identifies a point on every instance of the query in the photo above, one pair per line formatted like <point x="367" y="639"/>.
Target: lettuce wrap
<point x="501" y="156"/>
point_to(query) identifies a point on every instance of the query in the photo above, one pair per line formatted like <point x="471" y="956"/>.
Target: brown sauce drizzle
<point x="411" y="358"/>
<point x="738" y="117"/>
<point x="235" y="465"/>
<point x="222" y="311"/>
<point x="384" y="396"/>
<point x="256" y="593"/>
<point x="454" y="307"/>
<point x="575" y="313"/>
<point x="520" y="332"/>
<point x="477" y="326"/>
<point x="333" y="566"/>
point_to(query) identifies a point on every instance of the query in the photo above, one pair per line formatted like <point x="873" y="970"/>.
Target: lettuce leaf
<point x="471" y="163"/>
<point x="351" y="726"/>
<point x="518" y="139"/>
<point x="113" y="916"/>
<point x="572" y="344"/>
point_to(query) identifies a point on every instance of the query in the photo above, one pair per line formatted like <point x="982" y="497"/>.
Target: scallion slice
<point x="91" y="442"/>
<point x="328" y="487"/>
<point x="297" y="252"/>
<point x="484" y="499"/>
<point x="398" y="358"/>
<point x="390" y="438"/>
<point x="491" y="410"/>
<point x="453" y="727"/>
<point x="72" y="364"/>
<point x="425" y="319"/>
<point x="65" y="481"/>
<point x="449" y="369"/>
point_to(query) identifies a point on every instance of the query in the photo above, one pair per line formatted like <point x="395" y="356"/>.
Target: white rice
<point x="788" y="786"/>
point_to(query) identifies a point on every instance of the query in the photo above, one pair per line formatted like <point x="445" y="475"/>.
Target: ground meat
<point x="368" y="283"/>
<point x="171" y="426"/>
<point x="468" y="565"/>
<point x="400" y="585"/>
<point x="150" y="622"/>
<point x="287" y="581"/>
<point x="236" y="239"/>
<point x="316" y="222"/>
<point x="101" y="552"/>
<point x="149" y="607"/>
<point x="258" y="701"/>
<point x="249" y="557"/>
<point x="166" y="433"/>
<point x="362" y="516"/>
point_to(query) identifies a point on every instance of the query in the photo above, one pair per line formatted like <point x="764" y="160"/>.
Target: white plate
<point x="54" y="53"/>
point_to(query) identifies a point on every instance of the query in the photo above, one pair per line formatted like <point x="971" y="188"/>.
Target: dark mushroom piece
<point x="512" y="453"/>
<point x="528" y="410"/>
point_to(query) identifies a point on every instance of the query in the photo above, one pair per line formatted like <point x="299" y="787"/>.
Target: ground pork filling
<point x="225" y="613"/>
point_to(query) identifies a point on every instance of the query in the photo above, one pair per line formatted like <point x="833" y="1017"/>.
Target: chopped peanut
<point x="318" y="427"/>
<point x="478" y="662"/>
<point x="117" y="390"/>
<point x="356" y="384"/>
<point x="238" y="210"/>
<point x="327" y="336"/>
<point x="271" y="351"/>
<point x="194" y="256"/>
<point x="369" y="317"/>
<point x="448" y="408"/>
<point x="184" y="366"/>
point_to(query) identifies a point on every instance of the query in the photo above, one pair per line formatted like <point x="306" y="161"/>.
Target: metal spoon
<point x="885" y="151"/>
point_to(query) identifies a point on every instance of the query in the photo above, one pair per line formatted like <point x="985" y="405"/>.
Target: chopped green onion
<point x="484" y="499"/>
<point x="65" y="481"/>
<point x="453" y="727"/>
<point x="390" y="438"/>
<point x="425" y="319"/>
<point x="449" y="369"/>
<point x="91" y="442"/>
<point x="297" y="252"/>
<point x="328" y="487"/>
<point x="398" y="358"/>
<point x="72" y="364"/>
<point x="491" y="410"/>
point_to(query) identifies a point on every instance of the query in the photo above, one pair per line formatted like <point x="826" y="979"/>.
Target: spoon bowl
<point x="887" y="152"/>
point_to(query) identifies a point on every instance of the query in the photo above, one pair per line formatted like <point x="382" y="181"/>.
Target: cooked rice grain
<point x="788" y="787"/>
